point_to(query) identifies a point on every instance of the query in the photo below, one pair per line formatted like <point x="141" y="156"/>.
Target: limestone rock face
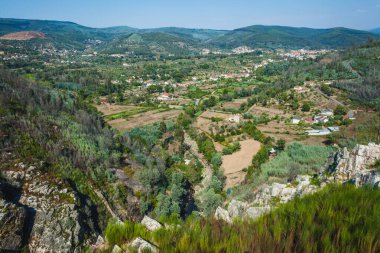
<point x="269" y="194"/>
<point x="12" y="223"/>
<point x="222" y="214"/>
<point x="256" y="212"/>
<point x="344" y="166"/>
<point x="237" y="208"/>
<point x="355" y="166"/>
<point x="58" y="220"/>
<point x="141" y="245"/>
<point x="150" y="223"/>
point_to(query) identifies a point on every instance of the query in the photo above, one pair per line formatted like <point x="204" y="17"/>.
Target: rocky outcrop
<point x="142" y="246"/>
<point x="222" y="214"/>
<point x="150" y="223"/>
<point x="239" y="209"/>
<point x="116" y="249"/>
<point x="343" y="167"/>
<point x="12" y="220"/>
<point x="269" y="195"/>
<point x="355" y="166"/>
<point x="58" y="219"/>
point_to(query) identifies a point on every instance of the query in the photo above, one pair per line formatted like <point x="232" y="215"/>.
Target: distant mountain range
<point x="376" y="30"/>
<point x="174" y="40"/>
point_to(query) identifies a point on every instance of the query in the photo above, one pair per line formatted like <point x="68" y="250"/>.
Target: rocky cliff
<point x="355" y="166"/>
<point x="41" y="213"/>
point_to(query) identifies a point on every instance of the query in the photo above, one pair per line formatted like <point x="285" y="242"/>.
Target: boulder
<point x="237" y="208"/>
<point x="117" y="249"/>
<point x="141" y="245"/>
<point x="100" y="240"/>
<point x="287" y="194"/>
<point x="256" y="212"/>
<point x="150" y="223"/>
<point x="222" y="214"/>
<point x="276" y="189"/>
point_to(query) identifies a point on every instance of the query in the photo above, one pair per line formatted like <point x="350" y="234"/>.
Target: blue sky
<point x="217" y="14"/>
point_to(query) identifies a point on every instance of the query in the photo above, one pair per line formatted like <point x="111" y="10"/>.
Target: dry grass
<point x="109" y="109"/>
<point x="143" y="119"/>
<point x="234" y="164"/>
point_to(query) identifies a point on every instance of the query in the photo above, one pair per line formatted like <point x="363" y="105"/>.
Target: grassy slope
<point x="336" y="219"/>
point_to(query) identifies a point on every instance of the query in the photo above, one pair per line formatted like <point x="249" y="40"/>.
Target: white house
<point x="296" y="120"/>
<point x="234" y="119"/>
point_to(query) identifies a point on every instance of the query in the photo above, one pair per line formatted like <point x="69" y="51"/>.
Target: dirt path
<point x="207" y="171"/>
<point x="234" y="164"/>
<point x="105" y="203"/>
<point x="329" y="98"/>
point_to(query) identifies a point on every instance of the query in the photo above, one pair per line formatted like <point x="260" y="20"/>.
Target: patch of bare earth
<point x="23" y="36"/>
<point x="235" y="104"/>
<point x="109" y="109"/>
<point x="234" y="164"/>
<point x="143" y="119"/>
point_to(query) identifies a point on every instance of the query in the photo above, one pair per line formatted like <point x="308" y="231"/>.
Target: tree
<point x="280" y="144"/>
<point x="162" y="127"/>
<point x="216" y="160"/>
<point x="306" y="107"/>
<point x="340" y="110"/>
<point x="326" y="89"/>
<point x="295" y="104"/>
<point x="211" y="201"/>
<point x="120" y="97"/>
<point x="216" y="184"/>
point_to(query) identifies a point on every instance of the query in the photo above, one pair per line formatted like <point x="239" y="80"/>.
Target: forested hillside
<point x="290" y="37"/>
<point x="67" y="143"/>
<point x="155" y="41"/>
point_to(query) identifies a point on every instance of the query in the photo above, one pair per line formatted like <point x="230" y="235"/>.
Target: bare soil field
<point x="109" y="109"/>
<point x="234" y="164"/>
<point x="258" y="110"/>
<point x="28" y="35"/>
<point x="289" y="133"/>
<point x="235" y="104"/>
<point x="143" y="119"/>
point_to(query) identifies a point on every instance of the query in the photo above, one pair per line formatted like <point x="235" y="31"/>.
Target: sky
<point x="215" y="14"/>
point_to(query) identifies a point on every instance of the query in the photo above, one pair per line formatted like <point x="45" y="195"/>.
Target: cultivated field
<point x="109" y="109"/>
<point x="143" y="119"/>
<point x="258" y="110"/>
<point x="289" y="133"/>
<point x="235" y="104"/>
<point x="234" y="164"/>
